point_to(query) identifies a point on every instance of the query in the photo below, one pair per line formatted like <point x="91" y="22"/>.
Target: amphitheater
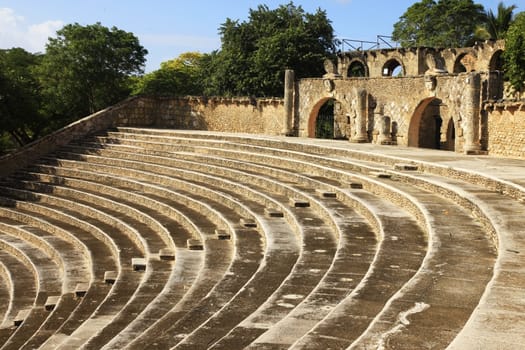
<point x="195" y="223"/>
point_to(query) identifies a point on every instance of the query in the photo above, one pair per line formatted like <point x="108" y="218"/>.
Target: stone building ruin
<point x="420" y="97"/>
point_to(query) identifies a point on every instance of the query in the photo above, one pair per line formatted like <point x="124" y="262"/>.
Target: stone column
<point x="289" y="83"/>
<point x="385" y="135"/>
<point x="472" y="109"/>
<point x="360" y="135"/>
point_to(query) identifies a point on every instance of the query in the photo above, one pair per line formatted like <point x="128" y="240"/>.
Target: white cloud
<point x="16" y="32"/>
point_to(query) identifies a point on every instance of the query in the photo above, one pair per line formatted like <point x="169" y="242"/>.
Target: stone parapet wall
<point x="245" y="115"/>
<point x="27" y="155"/>
<point x="506" y="129"/>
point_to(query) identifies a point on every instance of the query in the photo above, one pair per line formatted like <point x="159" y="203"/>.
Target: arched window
<point x="357" y="69"/>
<point x="393" y="68"/>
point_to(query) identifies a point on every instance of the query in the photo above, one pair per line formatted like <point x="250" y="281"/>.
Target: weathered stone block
<point x="110" y="277"/>
<point x="166" y="254"/>
<point x="222" y="234"/>
<point x="81" y="289"/>
<point x="51" y="302"/>
<point x="21" y="317"/>
<point x="325" y="193"/>
<point x="273" y="213"/>
<point x="194" y="244"/>
<point x="138" y="264"/>
<point x="248" y="222"/>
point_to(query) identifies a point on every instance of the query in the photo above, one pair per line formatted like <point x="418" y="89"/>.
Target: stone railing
<point x="238" y="114"/>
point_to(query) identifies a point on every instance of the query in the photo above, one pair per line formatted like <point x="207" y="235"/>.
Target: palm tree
<point x="496" y="25"/>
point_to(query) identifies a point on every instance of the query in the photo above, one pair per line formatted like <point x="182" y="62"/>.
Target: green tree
<point x="255" y="53"/>
<point x="180" y="76"/>
<point x="496" y="25"/>
<point x="514" y="54"/>
<point x="441" y="23"/>
<point x="20" y="99"/>
<point x="87" y="68"/>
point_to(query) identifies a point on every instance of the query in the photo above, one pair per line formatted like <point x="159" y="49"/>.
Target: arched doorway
<point x="450" y="144"/>
<point x="430" y="131"/>
<point x="321" y="121"/>
<point x="426" y="127"/>
<point x="324" y="123"/>
<point x="494" y="90"/>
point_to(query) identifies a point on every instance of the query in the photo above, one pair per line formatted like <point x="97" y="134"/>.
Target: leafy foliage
<point x="255" y="53"/>
<point x="87" y="68"/>
<point x="496" y="25"/>
<point x="180" y="76"/>
<point x="441" y="23"/>
<point x="20" y="99"/>
<point x="514" y="54"/>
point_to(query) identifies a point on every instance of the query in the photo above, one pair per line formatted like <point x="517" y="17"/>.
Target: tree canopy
<point x="86" y="68"/>
<point x="498" y="24"/>
<point x="179" y="76"/>
<point x="255" y="53"/>
<point x="514" y="54"/>
<point x="441" y="23"/>
<point x="20" y="99"/>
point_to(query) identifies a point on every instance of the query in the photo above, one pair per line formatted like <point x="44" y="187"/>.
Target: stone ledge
<point x="194" y="244"/>
<point x="51" y="302"/>
<point x="138" y="264"/>
<point x="110" y="277"/>
<point x="222" y="235"/>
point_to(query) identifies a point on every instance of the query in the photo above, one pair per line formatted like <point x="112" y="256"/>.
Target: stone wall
<point x="403" y="99"/>
<point x="246" y="115"/>
<point x="506" y="129"/>
<point x="243" y="115"/>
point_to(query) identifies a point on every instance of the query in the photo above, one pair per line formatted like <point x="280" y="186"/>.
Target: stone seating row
<point x="186" y="148"/>
<point x="400" y="282"/>
<point x="480" y="194"/>
<point x="179" y="166"/>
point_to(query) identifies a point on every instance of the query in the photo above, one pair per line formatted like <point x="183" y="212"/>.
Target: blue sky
<point x="167" y="28"/>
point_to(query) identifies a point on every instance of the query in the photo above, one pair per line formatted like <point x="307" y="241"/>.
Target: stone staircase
<point x="146" y="238"/>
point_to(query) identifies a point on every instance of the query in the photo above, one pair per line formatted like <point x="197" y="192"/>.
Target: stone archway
<point x="450" y="144"/>
<point x="426" y="126"/>
<point x="393" y="68"/>
<point x="312" y="119"/>
<point x="332" y="113"/>
<point x="357" y="68"/>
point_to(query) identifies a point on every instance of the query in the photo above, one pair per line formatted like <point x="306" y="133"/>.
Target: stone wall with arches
<point x="408" y="102"/>
<point x="420" y="97"/>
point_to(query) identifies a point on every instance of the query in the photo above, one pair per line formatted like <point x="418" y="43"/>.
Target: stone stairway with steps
<point x="194" y="240"/>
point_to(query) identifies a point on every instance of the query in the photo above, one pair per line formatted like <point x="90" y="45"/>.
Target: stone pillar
<point x="289" y="84"/>
<point x="385" y="135"/>
<point x="472" y="109"/>
<point x="360" y="135"/>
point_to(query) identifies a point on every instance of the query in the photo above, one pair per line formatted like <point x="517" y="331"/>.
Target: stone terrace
<point x="140" y="238"/>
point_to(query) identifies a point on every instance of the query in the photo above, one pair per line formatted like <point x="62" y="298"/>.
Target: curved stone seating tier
<point x="247" y="254"/>
<point x="488" y="273"/>
<point x="5" y="292"/>
<point x="505" y="271"/>
<point x="157" y="271"/>
<point x="260" y="242"/>
<point x="281" y="255"/>
<point x="56" y="224"/>
<point x="24" y="292"/>
<point x="50" y="278"/>
<point x="186" y="268"/>
<point x="296" y="298"/>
